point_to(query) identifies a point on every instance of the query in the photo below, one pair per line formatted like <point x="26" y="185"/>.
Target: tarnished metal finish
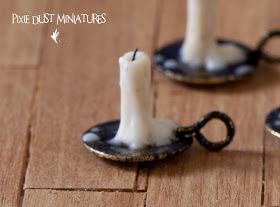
<point x="273" y="122"/>
<point x="194" y="131"/>
<point x="263" y="42"/>
<point x="103" y="149"/>
<point x="96" y="140"/>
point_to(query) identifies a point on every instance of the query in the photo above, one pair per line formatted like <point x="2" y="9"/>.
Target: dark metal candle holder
<point x="168" y="61"/>
<point x="272" y="122"/>
<point x="96" y="140"/>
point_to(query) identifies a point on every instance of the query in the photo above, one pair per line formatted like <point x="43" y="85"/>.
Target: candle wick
<point x="134" y="54"/>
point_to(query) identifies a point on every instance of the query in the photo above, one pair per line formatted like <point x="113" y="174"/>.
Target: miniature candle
<point x="138" y="128"/>
<point x="200" y="48"/>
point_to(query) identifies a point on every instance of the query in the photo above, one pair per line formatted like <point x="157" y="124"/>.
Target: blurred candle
<point x="199" y="31"/>
<point x="138" y="128"/>
<point x="200" y="48"/>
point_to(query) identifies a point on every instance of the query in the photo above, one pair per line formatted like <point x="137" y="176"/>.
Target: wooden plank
<point x="232" y="177"/>
<point x="16" y="92"/>
<point x="272" y="146"/>
<point x="20" y="43"/>
<point x="242" y="20"/>
<point x="272" y="169"/>
<point x="142" y="177"/>
<point x="204" y="178"/>
<point x="168" y="20"/>
<point x="51" y="198"/>
<point x="79" y="88"/>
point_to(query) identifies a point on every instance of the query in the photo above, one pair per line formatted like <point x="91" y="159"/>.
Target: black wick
<point x="262" y="44"/>
<point x="134" y="54"/>
<point x="194" y="131"/>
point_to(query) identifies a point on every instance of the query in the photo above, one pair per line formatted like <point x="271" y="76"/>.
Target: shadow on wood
<point x="197" y="160"/>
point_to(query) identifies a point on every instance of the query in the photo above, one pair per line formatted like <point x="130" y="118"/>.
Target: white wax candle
<point x="138" y="128"/>
<point x="200" y="48"/>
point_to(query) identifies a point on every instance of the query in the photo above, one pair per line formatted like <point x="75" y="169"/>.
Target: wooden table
<point x="50" y="93"/>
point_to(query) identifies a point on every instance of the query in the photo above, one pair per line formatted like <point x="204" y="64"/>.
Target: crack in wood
<point x="145" y="200"/>
<point x="33" y="110"/>
<point x="263" y="170"/>
<point x="135" y="185"/>
<point x="26" y="158"/>
<point x="29" y="135"/>
<point x="126" y="190"/>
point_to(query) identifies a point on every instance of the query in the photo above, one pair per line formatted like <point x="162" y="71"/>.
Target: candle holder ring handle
<point x="194" y="131"/>
<point x="263" y="42"/>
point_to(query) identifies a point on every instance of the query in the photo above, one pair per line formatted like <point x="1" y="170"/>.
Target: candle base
<point x="168" y="59"/>
<point x="97" y="140"/>
<point x="273" y="122"/>
<point x="159" y="133"/>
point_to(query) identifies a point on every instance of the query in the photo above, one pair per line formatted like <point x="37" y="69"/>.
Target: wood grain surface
<point x="20" y="43"/>
<point x="51" y="198"/>
<point x="271" y="143"/>
<point x="51" y="93"/>
<point x="16" y="92"/>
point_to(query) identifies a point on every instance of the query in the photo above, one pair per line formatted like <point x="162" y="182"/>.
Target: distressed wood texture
<point x="51" y="198"/>
<point x="16" y="92"/>
<point x="45" y="111"/>
<point x="20" y="43"/>
<point x="272" y="144"/>
<point x="232" y="177"/>
<point x="79" y="88"/>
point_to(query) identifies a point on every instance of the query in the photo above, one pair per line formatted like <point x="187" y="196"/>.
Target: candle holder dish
<point x="272" y="122"/>
<point x="97" y="138"/>
<point x="168" y="61"/>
